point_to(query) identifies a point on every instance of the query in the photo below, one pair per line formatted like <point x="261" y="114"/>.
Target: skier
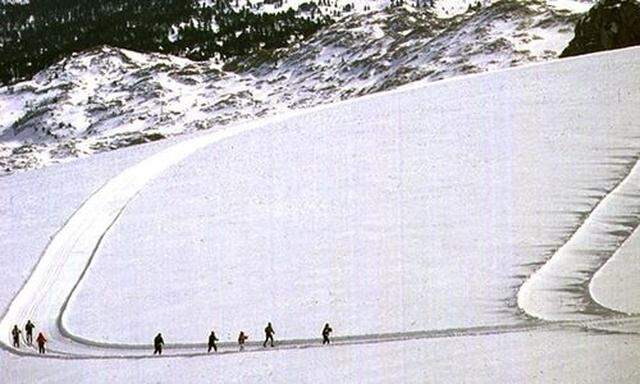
<point x="325" y="334"/>
<point x="41" y="340"/>
<point x="29" y="328"/>
<point x="15" y="332"/>
<point x="158" y="342"/>
<point x="268" y="333"/>
<point x="241" y="339"/>
<point x="212" y="342"/>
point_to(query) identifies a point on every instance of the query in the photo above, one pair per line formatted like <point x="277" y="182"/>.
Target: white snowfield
<point x="615" y="285"/>
<point x="560" y="289"/>
<point x="409" y="220"/>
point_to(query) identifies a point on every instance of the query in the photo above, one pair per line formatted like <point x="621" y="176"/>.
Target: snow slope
<point x="421" y="211"/>
<point x="110" y="98"/>
<point x="513" y="358"/>
<point x="360" y="206"/>
<point x="600" y="237"/>
<point x="409" y="196"/>
<point x="616" y="284"/>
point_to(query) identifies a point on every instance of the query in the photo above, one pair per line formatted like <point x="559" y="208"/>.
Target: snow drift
<point x="376" y="199"/>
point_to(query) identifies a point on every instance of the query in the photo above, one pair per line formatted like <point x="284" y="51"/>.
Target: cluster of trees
<point x="219" y="30"/>
<point x="36" y="34"/>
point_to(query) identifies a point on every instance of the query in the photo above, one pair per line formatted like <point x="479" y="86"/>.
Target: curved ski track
<point x="45" y="295"/>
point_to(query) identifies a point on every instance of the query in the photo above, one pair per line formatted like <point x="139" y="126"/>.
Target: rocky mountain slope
<point x="610" y="24"/>
<point x="108" y="98"/>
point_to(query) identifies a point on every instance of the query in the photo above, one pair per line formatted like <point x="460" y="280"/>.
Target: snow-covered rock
<point x="108" y="98"/>
<point x="610" y="24"/>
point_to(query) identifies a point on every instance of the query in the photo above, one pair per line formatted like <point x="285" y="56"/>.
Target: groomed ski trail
<point x="560" y="289"/>
<point x="44" y="296"/>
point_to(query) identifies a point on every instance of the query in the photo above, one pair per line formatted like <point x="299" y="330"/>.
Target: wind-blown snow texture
<point x="616" y="284"/>
<point x="111" y="98"/>
<point x="360" y="205"/>
<point x="440" y="197"/>
<point x="560" y="289"/>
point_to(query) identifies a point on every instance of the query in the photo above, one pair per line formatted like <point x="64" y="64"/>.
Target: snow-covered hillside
<point x="362" y="203"/>
<point x="409" y="220"/>
<point x="110" y="98"/>
<point x="341" y="8"/>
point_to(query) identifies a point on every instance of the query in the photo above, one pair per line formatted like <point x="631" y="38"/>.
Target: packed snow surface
<point x="360" y="204"/>
<point x="598" y="239"/>
<point x="541" y="357"/>
<point x="408" y="220"/>
<point x="616" y="284"/>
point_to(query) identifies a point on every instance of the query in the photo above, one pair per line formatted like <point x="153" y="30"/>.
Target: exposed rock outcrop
<point x="610" y="24"/>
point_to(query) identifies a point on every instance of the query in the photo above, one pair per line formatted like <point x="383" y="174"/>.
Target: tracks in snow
<point x="64" y="262"/>
<point x="98" y="351"/>
<point x="560" y="289"/>
<point x="44" y="297"/>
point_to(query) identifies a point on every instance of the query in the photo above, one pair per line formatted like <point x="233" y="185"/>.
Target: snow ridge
<point x="67" y="256"/>
<point x="110" y="98"/>
<point x="69" y="253"/>
<point x="559" y="290"/>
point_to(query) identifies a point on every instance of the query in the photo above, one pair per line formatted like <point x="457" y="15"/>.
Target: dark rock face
<point x="610" y="24"/>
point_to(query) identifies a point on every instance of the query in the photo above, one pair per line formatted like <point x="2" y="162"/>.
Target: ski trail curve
<point x="44" y="296"/>
<point x="69" y="253"/>
<point x="559" y="290"/>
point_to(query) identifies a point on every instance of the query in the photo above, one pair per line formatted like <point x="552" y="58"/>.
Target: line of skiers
<point x="158" y="341"/>
<point x="29" y="327"/>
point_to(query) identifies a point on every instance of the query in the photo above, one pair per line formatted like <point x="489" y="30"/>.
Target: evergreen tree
<point x="36" y="34"/>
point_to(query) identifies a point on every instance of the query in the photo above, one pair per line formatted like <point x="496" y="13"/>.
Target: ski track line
<point x="45" y="295"/>
<point x="560" y="289"/>
<point x="67" y="256"/>
<point x="186" y="350"/>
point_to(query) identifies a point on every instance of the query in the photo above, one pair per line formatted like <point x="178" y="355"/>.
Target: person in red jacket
<point x="41" y="340"/>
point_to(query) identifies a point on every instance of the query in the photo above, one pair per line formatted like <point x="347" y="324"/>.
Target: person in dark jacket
<point x="15" y="332"/>
<point x="41" y="340"/>
<point x="326" y="331"/>
<point x="268" y="333"/>
<point x="158" y="342"/>
<point x="29" y="329"/>
<point x="212" y="342"/>
<point x="241" y="339"/>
